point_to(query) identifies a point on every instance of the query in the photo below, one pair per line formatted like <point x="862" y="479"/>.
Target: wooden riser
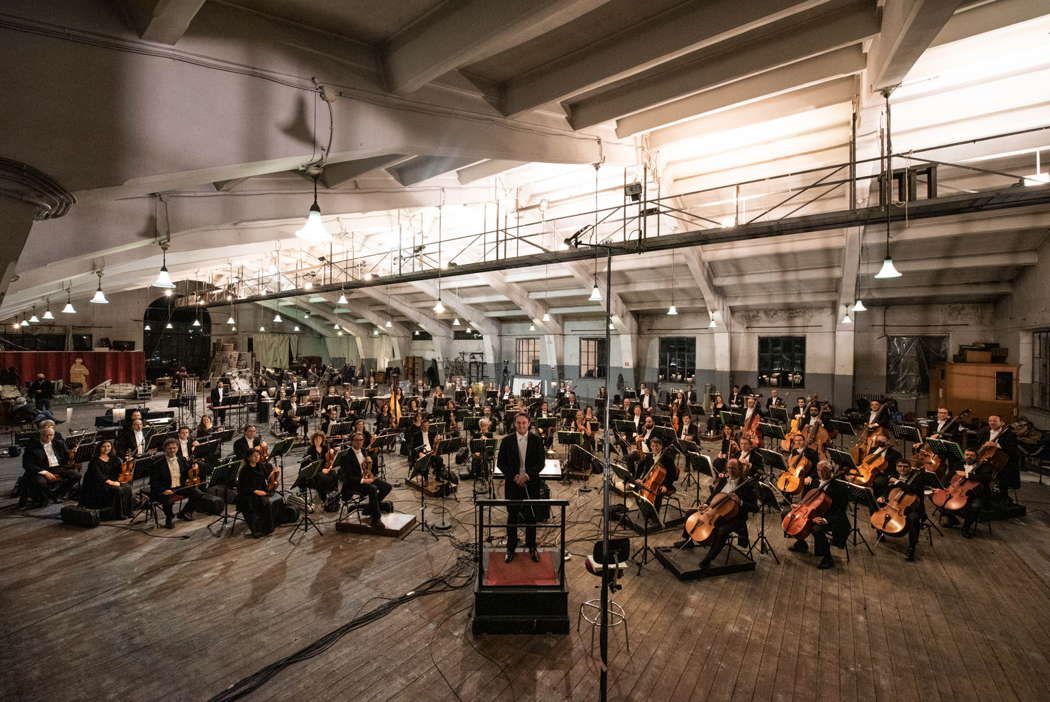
<point x="684" y="563"/>
<point x="396" y="525"/>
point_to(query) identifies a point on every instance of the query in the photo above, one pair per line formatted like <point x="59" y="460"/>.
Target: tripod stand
<point x="448" y="448"/>
<point x="767" y="501"/>
<point x="222" y="471"/>
<point x="649" y="513"/>
<point x="280" y="450"/>
<point x="305" y="521"/>
<point x="855" y="532"/>
<point x="422" y="474"/>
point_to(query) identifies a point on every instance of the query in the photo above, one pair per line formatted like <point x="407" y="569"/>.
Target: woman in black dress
<point x="101" y="489"/>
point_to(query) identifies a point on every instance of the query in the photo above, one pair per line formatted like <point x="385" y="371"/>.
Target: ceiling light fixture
<point x="277" y="318"/>
<point x="455" y="322"/>
<point x="596" y="294"/>
<point x="546" y="316"/>
<point x="858" y="306"/>
<point x="24" y="323"/>
<point x="16" y="325"/>
<point x="672" y="311"/>
<point x="845" y="318"/>
<point x="47" y="312"/>
<point x="147" y="327"/>
<point x="69" y="309"/>
<point x="169" y="326"/>
<point x="196" y="323"/>
<point x="262" y="328"/>
<point x="295" y="328"/>
<point x="313" y="230"/>
<point x="34" y="319"/>
<point x="388" y="324"/>
<point x="163" y="277"/>
<point x="167" y="292"/>
<point x="231" y="321"/>
<point x="439" y="307"/>
<point x="100" y="297"/>
<point x="341" y="300"/>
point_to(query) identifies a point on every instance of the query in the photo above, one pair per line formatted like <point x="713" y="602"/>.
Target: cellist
<point x="834" y="519"/>
<point x="983" y="474"/>
<point x="912" y="481"/>
<point x="665" y="459"/>
<point x="999" y="435"/>
<point x="733" y="480"/>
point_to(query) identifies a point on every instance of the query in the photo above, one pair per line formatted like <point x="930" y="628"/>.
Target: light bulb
<point x="34" y="319"/>
<point x="368" y="275"/>
<point x="24" y="323"/>
<point x="307" y="315"/>
<point x="277" y="318"/>
<point x="439" y="307"/>
<point x="147" y="327"/>
<point x="712" y="324"/>
<point x="455" y="322"/>
<point x="341" y="300"/>
<point x="163" y="279"/>
<point x="313" y="230"/>
<point x="69" y="309"/>
<point x="611" y="326"/>
<point x="335" y="326"/>
<point x="546" y="316"/>
<point x="672" y="311"/>
<point x="295" y="328"/>
<point x="532" y="327"/>
<point x="233" y="329"/>
<point x="388" y="324"/>
<point x="47" y="314"/>
<point x="16" y="325"/>
<point x="375" y="332"/>
<point x="845" y="319"/>
<point x="339" y="333"/>
<point x="888" y="270"/>
<point x="231" y="321"/>
<point x="859" y="306"/>
<point x="167" y="292"/>
<point x="196" y="323"/>
<point x="168" y="326"/>
<point x="100" y="297"/>
<point x="262" y="329"/>
<point x="596" y="294"/>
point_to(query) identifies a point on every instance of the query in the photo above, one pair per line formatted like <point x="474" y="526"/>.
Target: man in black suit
<point x="880" y="484"/>
<point x="41" y="391"/>
<point x="247" y="442"/>
<point x="997" y="433"/>
<point x="44" y="472"/>
<point x="168" y="475"/>
<point x="983" y="474"/>
<point x="520" y="459"/>
<point x="132" y="440"/>
<point x="690" y="395"/>
<point x="351" y="471"/>
<point x="217" y="398"/>
<point x="733" y="481"/>
<point x="835" y="519"/>
<point x="750" y="456"/>
<point x="736" y="400"/>
<point x="774" y="399"/>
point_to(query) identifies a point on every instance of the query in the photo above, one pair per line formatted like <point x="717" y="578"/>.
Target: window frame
<point x="764" y="358"/>
<point x="1041" y="369"/>
<point x="593" y="359"/>
<point x="685" y="358"/>
<point x="527" y="355"/>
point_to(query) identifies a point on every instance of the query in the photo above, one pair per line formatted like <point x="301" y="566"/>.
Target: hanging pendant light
<point x="16" y="325"/>
<point x="888" y="270"/>
<point x="455" y="322"/>
<point x="439" y="307"/>
<point x="231" y="321"/>
<point x="388" y="324"/>
<point x="672" y="311"/>
<point x="47" y="312"/>
<point x="306" y="315"/>
<point x="163" y="277"/>
<point x="335" y="326"/>
<point x="295" y="328"/>
<point x="341" y="300"/>
<point x="596" y="294"/>
<point x="858" y="306"/>
<point x="147" y="327"/>
<point x="532" y="327"/>
<point x="68" y="309"/>
<point x="34" y="319"/>
<point x="277" y="318"/>
<point x="339" y="333"/>
<point x="308" y="285"/>
<point x="196" y="323"/>
<point x="845" y="316"/>
<point x="169" y="325"/>
<point x="24" y="323"/>
<point x="100" y="297"/>
<point x="313" y="230"/>
<point x="546" y="316"/>
<point x="375" y="332"/>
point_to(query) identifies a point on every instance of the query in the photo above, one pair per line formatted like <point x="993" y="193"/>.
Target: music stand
<point x="487" y="449"/>
<point x="567" y="438"/>
<point x="649" y="513"/>
<point x="780" y="414"/>
<point x="767" y="499"/>
<point x="842" y="427"/>
<point x="858" y="494"/>
<point x="689" y="449"/>
<point x="472" y="423"/>
<point x="305" y="476"/>
<point x="225" y="472"/>
<point x="908" y="434"/>
<point x="731" y="419"/>
<point x="280" y="450"/>
<point x="771" y="431"/>
<point x="447" y="448"/>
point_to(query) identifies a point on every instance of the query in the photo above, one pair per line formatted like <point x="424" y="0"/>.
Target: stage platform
<point x="520" y="597"/>
<point x="395" y="524"/>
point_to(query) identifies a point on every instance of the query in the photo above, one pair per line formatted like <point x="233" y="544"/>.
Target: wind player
<point x="358" y="479"/>
<point x="834" y="519"/>
<point x="520" y="459"/>
<point x="168" y="476"/>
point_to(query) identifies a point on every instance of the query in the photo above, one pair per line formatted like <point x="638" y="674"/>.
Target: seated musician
<point x="774" y="399"/>
<point x="736" y="398"/>
<point x="876" y="417"/>
<point x="332" y="417"/>
<point x="733" y="480"/>
<point x="327" y="479"/>
<point x="570" y="401"/>
<point x="169" y="476"/>
<point x="645" y="398"/>
<point x="101" y="488"/>
<point x="186" y="444"/>
<point x="882" y="446"/>
<point x="370" y="439"/>
<point x="359" y="479"/>
<point x="205" y="427"/>
<point x="637" y="451"/>
<point x="999" y="435"/>
<point x="45" y="474"/>
<point x="714" y="422"/>
<point x="259" y="505"/>
<point x="835" y="519"/>
<point x="939" y="428"/>
<point x="912" y="481"/>
<point x="799" y="410"/>
<point x="625" y="406"/>
<point x="384" y="420"/>
<point x="688" y="430"/>
<point x="666" y="459"/>
<point x="478" y="461"/>
<point x="983" y="474"/>
<point x="638" y="420"/>
<point x="798" y="448"/>
<point x="583" y="426"/>
<point x="750" y="457"/>
<point x="422" y="456"/>
<point x="132" y="441"/>
<point x="248" y="441"/>
<point x="288" y="419"/>
<point x="543" y="410"/>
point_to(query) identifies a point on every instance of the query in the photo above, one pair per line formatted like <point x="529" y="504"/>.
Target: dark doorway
<point x="182" y="345"/>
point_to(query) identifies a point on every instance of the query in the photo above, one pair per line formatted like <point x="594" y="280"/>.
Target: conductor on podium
<point x="520" y="459"/>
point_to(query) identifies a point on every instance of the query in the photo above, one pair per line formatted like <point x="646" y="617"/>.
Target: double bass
<point x="722" y="507"/>
<point x="798" y="523"/>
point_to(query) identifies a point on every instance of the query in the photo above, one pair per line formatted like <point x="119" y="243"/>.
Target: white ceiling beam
<point x="701" y="272"/>
<point x="291" y="313"/>
<point x="366" y="311"/>
<point x="423" y="168"/>
<point x="665" y="37"/>
<point x="956" y="263"/>
<point x="805" y="85"/>
<point x="623" y="319"/>
<point x="743" y="59"/>
<point x="949" y="291"/>
<point x="486" y="169"/>
<point x="335" y="174"/>
<point x="461" y="309"/>
<point x="908" y="29"/>
<point x="739" y="302"/>
<point x="432" y="326"/>
<point x="780" y="277"/>
<point x="517" y="294"/>
<point x="987" y="17"/>
<point x="461" y="33"/>
<point x="162" y="21"/>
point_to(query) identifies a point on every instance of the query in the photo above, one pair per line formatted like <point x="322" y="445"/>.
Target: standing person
<point x="520" y="459"/>
<point x="217" y="400"/>
<point x="41" y="391"/>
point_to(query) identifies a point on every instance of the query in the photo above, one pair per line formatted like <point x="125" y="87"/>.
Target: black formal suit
<point x="241" y="447"/>
<point x="754" y="459"/>
<point x="322" y="482"/>
<point x="916" y="484"/>
<point x="414" y="440"/>
<point x="736" y="400"/>
<point x="668" y="463"/>
<point x="689" y="433"/>
<point x="837" y="520"/>
<point x="943" y="431"/>
<point x="218" y="397"/>
<point x="1009" y="478"/>
<point x="811" y="466"/>
<point x="35" y="460"/>
<point x="260" y="511"/>
<point x="880" y="484"/>
<point x="770" y="403"/>
<point x="41" y="391"/>
<point x="126" y="441"/>
<point x="160" y="480"/>
<point x="96" y="493"/>
<point x="690" y="397"/>
<point x="738" y="524"/>
<point x="350" y="470"/>
<point x="508" y="460"/>
<point x="984" y="475"/>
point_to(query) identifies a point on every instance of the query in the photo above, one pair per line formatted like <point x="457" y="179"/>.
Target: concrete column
<point x="723" y="362"/>
<point x="842" y="382"/>
<point x="16" y="219"/>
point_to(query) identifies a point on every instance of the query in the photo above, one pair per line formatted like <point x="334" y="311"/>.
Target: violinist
<point x="288" y="418"/>
<point x="249" y="440"/>
<point x="687" y="430"/>
<point x="730" y="445"/>
<point x="168" y="476"/>
<point x="912" y="481"/>
<point x="733" y="480"/>
<point x="358" y="479"/>
<point x="45" y="473"/>
<point x="326" y="479"/>
<point x="750" y="457"/>
<point x="186" y="445"/>
<point x="256" y="500"/>
<point x="383" y="419"/>
<point x="834" y="519"/>
<point x="478" y="460"/>
<point x="423" y="454"/>
<point x="543" y="412"/>
<point x="583" y="426"/>
<point x="774" y="399"/>
<point x="204" y="427"/>
<point x="983" y="474"/>
<point x="101" y="488"/>
<point x="799" y="410"/>
<point x="690" y="395"/>
<point x="359" y="428"/>
<point x="133" y="439"/>
<point x="999" y="435"/>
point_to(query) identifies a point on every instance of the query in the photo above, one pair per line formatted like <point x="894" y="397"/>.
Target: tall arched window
<point x="184" y="344"/>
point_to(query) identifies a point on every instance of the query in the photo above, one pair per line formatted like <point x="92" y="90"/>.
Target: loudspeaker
<point x="80" y="516"/>
<point x="209" y="504"/>
<point x="288" y="515"/>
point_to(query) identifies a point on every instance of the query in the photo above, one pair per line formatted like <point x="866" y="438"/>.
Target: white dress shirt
<point x="49" y="451"/>
<point x="523" y="447"/>
<point x="140" y="442"/>
<point x="174" y="471"/>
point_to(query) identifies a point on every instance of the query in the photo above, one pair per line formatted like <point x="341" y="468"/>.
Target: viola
<point x="799" y="522"/>
<point x="127" y="470"/>
<point x="722" y="507"/>
<point x="957" y="495"/>
<point x="790" y="481"/>
<point x="892" y="518"/>
<point x="193" y="476"/>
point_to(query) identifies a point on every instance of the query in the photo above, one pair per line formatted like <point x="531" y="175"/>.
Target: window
<point x="528" y="356"/>
<point x="782" y="361"/>
<point x="592" y="358"/>
<point x="1041" y="369"/>
<point x="677" y="358"/>
<point x="463" y="335"/>
<point x="909" y="360"/>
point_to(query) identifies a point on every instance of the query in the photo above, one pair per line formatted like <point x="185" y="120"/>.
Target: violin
<point x="271" y="482"/>
<point x="127" y="469"/>
<point x="722" y="507"/>
<point x="329" y="460"/>
<point x="892" y="518"/>
<point x="790" y="481"/>
<point x="193" y="476"/>
<point x="366" y="469"/>
<point x="799" y="522"/>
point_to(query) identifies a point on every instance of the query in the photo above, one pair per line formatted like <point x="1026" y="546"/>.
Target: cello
<point x="790" y="481"/>
<point x="724" y="506"/>
<point x="798" y="523"/>
<point x="871" y="466"/>
<point x="957" y="495"/>
<point x="892" y="518"/>
<point x="649" y="486"/>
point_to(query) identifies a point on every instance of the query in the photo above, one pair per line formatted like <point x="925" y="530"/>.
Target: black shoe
<point x="509" y="557"/>
<point x="186" y="516"/>
<point x="376" y="522"/>
<point x="799" y="547"/>
<point x="910" y="555"/>
<point x="534" y="555"/>
<point x="168" y="524"/>
<point x="826" y="562"/>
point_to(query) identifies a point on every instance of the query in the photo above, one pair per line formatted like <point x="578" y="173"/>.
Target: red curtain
<point x="118" y="366"/>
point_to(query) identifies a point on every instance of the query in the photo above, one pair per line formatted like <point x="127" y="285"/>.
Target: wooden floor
<point x="115" y="614"/>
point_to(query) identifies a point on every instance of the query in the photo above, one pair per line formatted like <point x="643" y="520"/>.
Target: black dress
<point x="96" y="493"/>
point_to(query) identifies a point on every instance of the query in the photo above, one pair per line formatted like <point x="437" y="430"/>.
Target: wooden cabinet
<point x="986" y="388"/>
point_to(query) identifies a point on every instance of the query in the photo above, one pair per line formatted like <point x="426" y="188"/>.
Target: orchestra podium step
<point x="520" y="597"/>
<point x="395" y="525"/>
<point x="685" y="562"/>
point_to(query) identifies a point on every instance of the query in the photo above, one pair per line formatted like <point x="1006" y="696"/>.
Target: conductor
<point x="520" y="459"/>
